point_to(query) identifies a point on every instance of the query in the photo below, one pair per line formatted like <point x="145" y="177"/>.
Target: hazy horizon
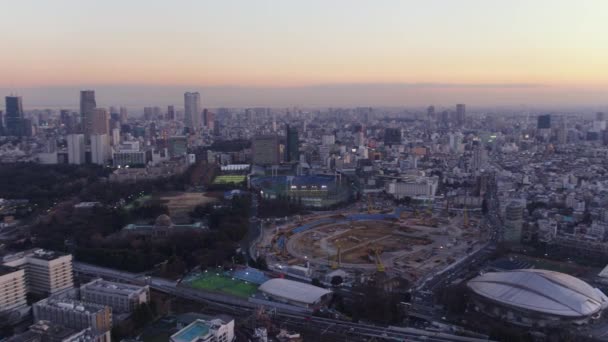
<point x="331" y="95"/>
<point x="284" y="53"/>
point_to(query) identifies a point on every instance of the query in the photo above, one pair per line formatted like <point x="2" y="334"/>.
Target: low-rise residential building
<point x="122" y="298"/>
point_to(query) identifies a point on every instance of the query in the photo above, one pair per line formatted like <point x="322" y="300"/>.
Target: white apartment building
<point x="76" y="148"/>
<point x="421" y="187"/>
<point x="46" y="272"/>
<point x="12" y="288"/>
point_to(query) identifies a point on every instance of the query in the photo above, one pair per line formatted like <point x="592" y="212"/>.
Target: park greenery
<point x="94" y="235"/>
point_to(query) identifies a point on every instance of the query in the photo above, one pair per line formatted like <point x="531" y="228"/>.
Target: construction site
<point x="404" y="242"/>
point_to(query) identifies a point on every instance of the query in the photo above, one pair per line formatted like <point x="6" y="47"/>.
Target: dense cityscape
<point x="304" y="171"/>
<point x="291" y="223"/>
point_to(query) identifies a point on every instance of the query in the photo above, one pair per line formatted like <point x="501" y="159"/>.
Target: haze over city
<point x="312" y="53"/>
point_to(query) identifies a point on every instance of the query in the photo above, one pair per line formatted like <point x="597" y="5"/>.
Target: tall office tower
<point x="514" y="212"/>
<point x="460" y="114"/>
<point x="292" y="152"/>
<point x="75" y="148"/>
<point x="170" y="113"/>
<point x="599" y="124"/>
<point x="208" y="119"/>
<point x="562" y="132"/>
<point x="12" y="288"/>
<point x="544" y="122"/>
<point x="65" y="118"/>
<point x="14" y="116"/>
<point x="98" y="121"/>
<point x="392" y="136"/>
<point x="1" y="122"/>
<point x="100" y="149"/>
<point x="430" y="113"/>
<point x="46" y="272"/>
<point x="148" y="112"/>
<point x="123" y="115"/>
<point x="192" y="105"/>
<point x="115" y="136"/>
<point x="265" y="150"/>
<point x="87" y="105"/>
<point x="479" y="158"/>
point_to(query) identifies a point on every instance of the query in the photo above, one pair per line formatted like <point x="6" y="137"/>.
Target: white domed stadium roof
<point x="542" y="291"/>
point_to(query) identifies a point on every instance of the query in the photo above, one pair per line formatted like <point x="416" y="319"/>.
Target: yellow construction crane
<point x="379" y="264"/>
<point x="465" y="219"/>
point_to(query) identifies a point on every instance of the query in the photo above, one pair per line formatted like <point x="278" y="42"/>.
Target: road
<point x="423" y="302"/>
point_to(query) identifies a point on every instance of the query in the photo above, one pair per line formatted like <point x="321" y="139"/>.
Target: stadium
<point x="310" y="191"/>
<point x="402" y="242"/>
<point x="536" y="298"/>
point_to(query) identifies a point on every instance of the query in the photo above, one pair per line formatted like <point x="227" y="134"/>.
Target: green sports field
<point x="229" y="179"/>
<point x="219" y="283"/>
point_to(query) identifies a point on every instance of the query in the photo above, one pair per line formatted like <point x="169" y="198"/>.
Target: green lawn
<point x="219" y="283"/>
<point x="229" y="179"/>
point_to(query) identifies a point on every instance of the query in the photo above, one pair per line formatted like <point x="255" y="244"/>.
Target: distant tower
<point x="100" y="149"/>
<point x="15" y="124"/>
<point x="87" y="105"/>
<point x="75" y="148"/>
<point x="293" y="149"/>
<point x="460" y="114"/>
<point x="98" y="121"/>
<point x="208" y="119"/>
<point x="123" y="115"/>
<point x="170" y="113"/>
<point x="192" y="105"/>
<point x="430" y="113"/>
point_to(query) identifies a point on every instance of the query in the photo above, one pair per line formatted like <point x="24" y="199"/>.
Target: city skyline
<point x="483" y="52"/>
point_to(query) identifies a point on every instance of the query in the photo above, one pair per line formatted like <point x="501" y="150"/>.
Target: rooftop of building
<point x="293" y="290"/>
<point x="71" y="305"/>
<point x="36" y="253"/>
<point x="192" y="332"/>
<point x="7" y="270"/>
<point x="542" y="291"/>
<point x="108" y="286"/>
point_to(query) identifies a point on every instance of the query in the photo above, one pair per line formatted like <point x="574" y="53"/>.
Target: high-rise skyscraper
<point x="292" y="150"/>
<point x="15" y="124"/>
<point x="208" y="119"/>
<point x="98" y="121"/>
<point x="544" y="121"/>
<point x="76" y="153"/>
<point x="170" y="113"/>
<point x="430" y="113"/>
<point x="192" y="105"/>
<point x="87" y="105"/>
<point x="265" y="150"/>
<point x="123" y="115"/>
<point x="100" y="149"/>
<point x="460" y="114"/>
